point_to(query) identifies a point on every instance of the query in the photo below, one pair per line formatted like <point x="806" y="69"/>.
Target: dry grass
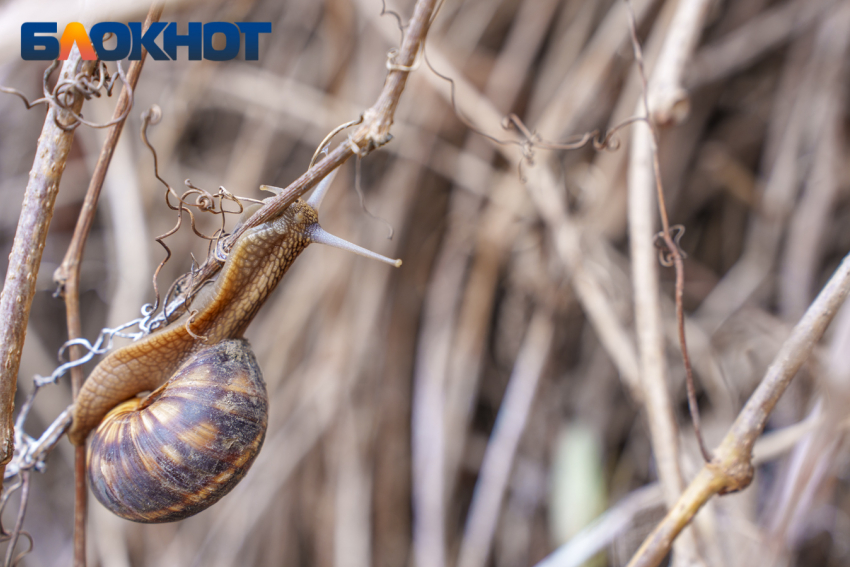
<point x="485" y="402"/>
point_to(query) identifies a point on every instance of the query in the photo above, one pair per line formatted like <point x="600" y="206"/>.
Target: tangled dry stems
<point x="589" y="260"/>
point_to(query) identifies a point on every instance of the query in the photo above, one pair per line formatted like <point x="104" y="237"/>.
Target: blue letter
<point x="29" y="41"/>
<point x="232" y="39"/>
<point x="252" y="31"/>
<point x="192" y="40"/>
<point x="147" y="41"/>
<point x="122" y="36"/>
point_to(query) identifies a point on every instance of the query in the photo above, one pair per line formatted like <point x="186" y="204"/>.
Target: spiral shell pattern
<point x="178" y="451"/>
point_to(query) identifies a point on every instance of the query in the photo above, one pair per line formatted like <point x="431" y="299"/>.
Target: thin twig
<point x="666" y="96"/>
<point x="605" y="529"/>
<point x="372" y="134"/>
<point x="17" y="531"/>
<point x="498" y="460"/>
<point x="644" y="183"/>
<point x="647" y="310"/>
<point x="785" y="142"/>
<point x="672" y="253"/>
<point x="544" y="189"/>
<point x="732" y="468"/>
<point x="24" y="261"/>
<point x="742" y="47"/>
<point x="68" y="276"/>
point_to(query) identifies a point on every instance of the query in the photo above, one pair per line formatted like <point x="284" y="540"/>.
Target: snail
<point x="177" y="451"/>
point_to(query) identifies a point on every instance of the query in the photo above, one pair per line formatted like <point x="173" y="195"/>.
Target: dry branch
<point x="372" y="134"/>
<point x="732" y="469"/>
<point x="67" y="275"/>
<point x="341" y="479"/>
<point x="664" y="101"/>
<point x="499" y="458"/>
<point x="54" y="144"/>
<point x="667" y="100"/>
<point x="743" y="46"/>
<point x="651" y="343"/>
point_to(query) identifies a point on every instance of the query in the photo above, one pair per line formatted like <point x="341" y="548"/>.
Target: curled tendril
<point x="183" y="203"/>
<point x="665" y="255"/>
<point x="325" y="144"/>
<point x="66" y="91"/>
<point x="529" y="140"/>
<point x="23" y="484"/>
<point x="387" y="12"/>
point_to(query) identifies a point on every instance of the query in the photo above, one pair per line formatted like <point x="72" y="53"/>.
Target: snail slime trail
<point x="178" y="450"/>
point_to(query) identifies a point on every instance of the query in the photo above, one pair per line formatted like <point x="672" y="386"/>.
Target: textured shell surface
<point x="178" y="451"/>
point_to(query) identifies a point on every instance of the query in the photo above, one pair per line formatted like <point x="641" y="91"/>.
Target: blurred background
<point x="481" y="405"/>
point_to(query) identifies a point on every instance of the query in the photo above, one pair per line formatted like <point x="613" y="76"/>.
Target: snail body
<point x="177" y="451"/>
<point x="220" y="311"/>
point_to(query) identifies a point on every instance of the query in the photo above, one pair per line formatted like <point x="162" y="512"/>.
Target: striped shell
<point x="178" y="451"/>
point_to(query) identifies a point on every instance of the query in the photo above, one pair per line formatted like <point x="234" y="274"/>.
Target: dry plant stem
<point x="19" y="522"/>
<point x="667" y="98"/>
<point x="545" y="191"/>
<point x="732" y="470"/>
<point x="68" y="277"/>
<point x="644" y="187"/>
<point x="457" y="315"/>
<point x="806" y="227"/>
<point x="499" y="457"/>
<point x="54" y="144"/>
<point x="605" y="529"/>
<point x="659" y="409"/>
<point x="742" y="47"/>
<point x="617" y="519"/>
<point x="678" y="263"/>
<point x="80" y="493"/>
<point x="372" y="134"/>
<point x="668" y="74"/>
<point x="641" y="205"/>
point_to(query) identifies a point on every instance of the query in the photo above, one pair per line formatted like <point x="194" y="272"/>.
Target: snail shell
<point x="179" y="450"/>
